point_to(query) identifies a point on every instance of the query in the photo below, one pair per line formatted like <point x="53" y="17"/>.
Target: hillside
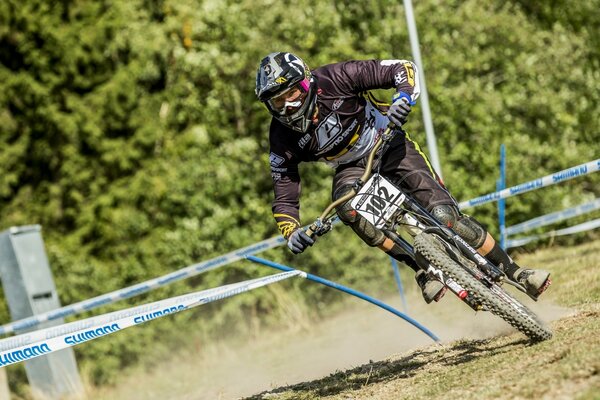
<point x="365" y="353"/>
<point x="502" y="367"/>
<point x="130" y="131"/>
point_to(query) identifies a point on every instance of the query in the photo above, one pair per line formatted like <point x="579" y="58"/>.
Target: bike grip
<point x="310" y="231"/>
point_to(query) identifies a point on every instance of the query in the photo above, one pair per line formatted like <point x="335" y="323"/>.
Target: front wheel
<point x="492" y="298"/>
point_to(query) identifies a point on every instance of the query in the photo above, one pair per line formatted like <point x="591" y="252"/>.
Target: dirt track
<point x="332" y="359"/>
<point x="356" y="337"/>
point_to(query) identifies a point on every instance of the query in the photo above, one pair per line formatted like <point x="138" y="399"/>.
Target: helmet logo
<point x="281" y="80"/>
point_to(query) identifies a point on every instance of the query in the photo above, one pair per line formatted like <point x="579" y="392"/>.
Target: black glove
<point x="398" y="111"/>
<point x="299" y="241"/>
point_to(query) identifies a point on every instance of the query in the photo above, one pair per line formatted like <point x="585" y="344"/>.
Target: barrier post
<point x="29" y="290"/>
<point x="501" y="185"/>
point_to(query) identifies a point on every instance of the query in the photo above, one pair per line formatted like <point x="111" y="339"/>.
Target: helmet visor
<point x="291" y="100"/>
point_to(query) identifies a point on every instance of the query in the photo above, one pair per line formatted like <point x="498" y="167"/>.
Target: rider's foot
<point x="535" y="281"/>
<point x="433" y="290"/>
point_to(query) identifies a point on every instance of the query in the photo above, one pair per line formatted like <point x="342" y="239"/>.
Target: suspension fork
<point x="453" y="286"/>
<point x="466" y="249"/>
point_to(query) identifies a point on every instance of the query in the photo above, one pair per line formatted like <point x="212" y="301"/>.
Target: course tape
<point x="151" y="308"/>
<point x="195" y="269"/>
<point x="34" y="344"/>
<point x="586" y="226"/>
<point x="140" y="288"/>
<point x="548" y="180"/>
<point x="554" y="217"/>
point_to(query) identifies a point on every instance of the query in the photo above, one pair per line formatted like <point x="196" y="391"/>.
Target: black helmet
<point x="288" y="89"/>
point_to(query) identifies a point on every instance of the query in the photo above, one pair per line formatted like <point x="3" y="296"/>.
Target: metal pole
<point x="414" y="45"/>
<point x="502" y="203"/>
<point x="399" y="282"/>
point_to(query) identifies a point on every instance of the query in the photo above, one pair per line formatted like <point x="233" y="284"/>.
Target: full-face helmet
<point x="286" y="86"/>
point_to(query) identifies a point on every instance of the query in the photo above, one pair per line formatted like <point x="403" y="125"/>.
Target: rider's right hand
<point x="299" y="241"/>
<point x="399" y="110"/>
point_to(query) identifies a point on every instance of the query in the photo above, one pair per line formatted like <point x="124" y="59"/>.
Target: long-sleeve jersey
<point x="343" y="131"/>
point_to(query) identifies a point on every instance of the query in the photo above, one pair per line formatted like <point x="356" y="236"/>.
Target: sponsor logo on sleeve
<point x="303" y="140"/>
<point x="410" y="73"/>
<point x="276" y="160"/>
<point x="400" y="78"/>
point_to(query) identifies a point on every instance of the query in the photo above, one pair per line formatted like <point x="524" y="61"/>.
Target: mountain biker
<point x="328" y="115"/>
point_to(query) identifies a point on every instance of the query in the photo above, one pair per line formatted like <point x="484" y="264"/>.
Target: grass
<point x="505" y="366"/>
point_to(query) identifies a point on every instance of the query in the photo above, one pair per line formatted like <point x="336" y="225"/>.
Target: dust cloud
<point x="361" y="333"/>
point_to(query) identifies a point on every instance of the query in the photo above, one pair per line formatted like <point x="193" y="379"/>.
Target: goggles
<point x="290" y="101"/>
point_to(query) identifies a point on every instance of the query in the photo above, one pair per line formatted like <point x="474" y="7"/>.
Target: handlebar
<point x="323" y="224"/>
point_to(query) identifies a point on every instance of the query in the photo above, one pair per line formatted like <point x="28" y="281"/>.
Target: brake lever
<point x="319" y="228"/>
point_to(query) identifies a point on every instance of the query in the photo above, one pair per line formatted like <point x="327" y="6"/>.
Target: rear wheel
<point x="493" y="298"/>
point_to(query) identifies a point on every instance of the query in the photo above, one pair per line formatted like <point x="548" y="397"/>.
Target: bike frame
<point x="485" y="272"/>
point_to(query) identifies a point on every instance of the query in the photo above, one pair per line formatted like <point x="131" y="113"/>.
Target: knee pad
<point x="363" y="228"/>
<point x="347" y="214"/>
<point x="470" y="230"/>
<point x="445" y="214"/>
<point x="466" y="227"/>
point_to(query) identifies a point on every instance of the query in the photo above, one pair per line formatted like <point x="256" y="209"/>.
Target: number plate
<point x="378" y="200"/>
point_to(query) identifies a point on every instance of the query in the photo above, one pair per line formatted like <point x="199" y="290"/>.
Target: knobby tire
<point x="494" y="299"/>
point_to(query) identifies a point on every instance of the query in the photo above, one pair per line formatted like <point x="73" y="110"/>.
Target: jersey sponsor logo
<point x="275" y="160"/>
<point x="303" y="140"/>
<point x="337" y="104"/>
<point x="399" y="78"/>
<point x="328" y="130"/>
<point x="340" y="138"/>
<point x="276" y="176"/>
<point x="410" y="73"/>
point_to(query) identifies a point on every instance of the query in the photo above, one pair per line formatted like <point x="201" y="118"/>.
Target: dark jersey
<point x="342" y="131"/>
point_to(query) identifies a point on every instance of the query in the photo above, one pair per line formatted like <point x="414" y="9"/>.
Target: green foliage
<point x="130" y="131"/>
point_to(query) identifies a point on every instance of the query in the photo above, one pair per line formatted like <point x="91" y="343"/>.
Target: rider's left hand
<point x="399" y="110"/>
<point x="299" y="241"/>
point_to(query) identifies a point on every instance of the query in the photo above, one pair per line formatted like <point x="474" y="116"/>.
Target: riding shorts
<point x="404" y="164"/>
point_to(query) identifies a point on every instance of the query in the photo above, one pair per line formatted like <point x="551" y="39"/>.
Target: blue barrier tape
<point x="47" y="333"/>
<point x="43" y="342"/>
<point x="586" y="226"/>
<point x="554" y="217"/>
<point x="501" y="185"/>
<point x="353" y="292"/>
<point x="228" y="258"/>
<point x="580" y="170"/>
<point x="143" y="287"/>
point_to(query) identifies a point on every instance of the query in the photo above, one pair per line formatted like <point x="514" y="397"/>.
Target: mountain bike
<point x="437" y="249"/>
